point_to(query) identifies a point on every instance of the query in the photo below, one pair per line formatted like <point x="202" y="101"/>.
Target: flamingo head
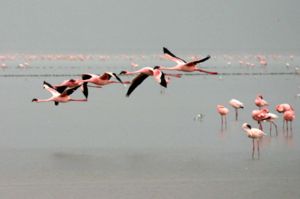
<point x="156" y="67"/>
<point x="246" y="126"/>
<point x="34" y="100"/>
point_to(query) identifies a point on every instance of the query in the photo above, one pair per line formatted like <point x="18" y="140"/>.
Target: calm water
<point x="148" y="145"/>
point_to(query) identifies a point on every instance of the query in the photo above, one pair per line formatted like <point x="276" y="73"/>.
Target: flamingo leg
<point x="253" y="149"/>
<point x="258" y="153"/>
<point x="236" y="114"/>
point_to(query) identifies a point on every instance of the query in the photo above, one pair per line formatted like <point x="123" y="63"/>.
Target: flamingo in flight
<point x="57" y="96"/>
<point x="255" y="134"/>
<point x="143" y="73"/>
<point x="101" y="80"/>
<point x="184" y="66"/>
<point x="71" y="83"/>
<point x="236" y="104"/>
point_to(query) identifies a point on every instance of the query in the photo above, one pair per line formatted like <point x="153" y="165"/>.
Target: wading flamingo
<point x="254" y="134"/>
<point x="260" y="115"/>
<point x="260" y="102"/>
<point x="236" y="104"/>
<point x="143" y="74"/>
<point x="184" y="66"/>
<point x="288" y="117"/>
<point x="58" y="97"/>
<point x="223" y="111"/>
<point x="281" y="108"/>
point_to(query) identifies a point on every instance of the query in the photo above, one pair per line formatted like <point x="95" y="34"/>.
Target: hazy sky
<point x="136" y="25"/>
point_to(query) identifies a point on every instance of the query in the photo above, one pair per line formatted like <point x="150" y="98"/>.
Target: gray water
<point x="147" y="145"/>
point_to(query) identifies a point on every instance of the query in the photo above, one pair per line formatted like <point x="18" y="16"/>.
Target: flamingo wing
<point x="193" y="63"/>
<point x="69" y="91"/>
<point x="173" y="57"/>
<point x="136" y="82"/>
<point x="106" y="76"/>
<point x="160" y="77"/>
<point x="86" y="76"/>
<point x="50" y="88"/>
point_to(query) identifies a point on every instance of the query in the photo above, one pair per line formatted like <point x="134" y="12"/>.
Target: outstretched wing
<point x="160" y="77"/>
<point x="173" y="57"/>
<point x="193" y="63"/>
<point x="69" y="91"/>
<point x="136" y="82"/>
<point x="84" y="89"/>
<point x="50" y="88"/>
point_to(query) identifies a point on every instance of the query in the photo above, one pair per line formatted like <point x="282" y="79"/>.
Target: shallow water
<point x="148" y="145"/>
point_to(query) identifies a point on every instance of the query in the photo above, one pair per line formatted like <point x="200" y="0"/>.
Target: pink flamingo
<point x="223" y="111"/>
<point x="289" y="116"/>
<point x="260" y="102"/>
<point x="271" y="117"/>
<point x="254" y="134"/>
<point x="58" y="97"/>
<point x="143" y="74"/>
<point x="281" y="108"/>
<point x="260" y="115"/>
<point x="71" y="83"/>
<point x="184" y="66"/>
<point x="101" y="80"/>
<point x="236" y="104"/>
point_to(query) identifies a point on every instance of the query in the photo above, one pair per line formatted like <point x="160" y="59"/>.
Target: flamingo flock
<point x="62" y="91"/>
<point x="260" y="115"/>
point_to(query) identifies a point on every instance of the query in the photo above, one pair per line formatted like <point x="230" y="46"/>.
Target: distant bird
<point x="288" y="117"/>
<point x="236" y="104"/>
<point x="142" y="75"/>
<point x="101" y="80"/>
<point x="71" y="83"/>
<point x="184" y="66"/>
<point x="260" y="102"/>
<point x="223" y="111"/>
<point x="58" y="97"/>
<point x="254" y="134"/>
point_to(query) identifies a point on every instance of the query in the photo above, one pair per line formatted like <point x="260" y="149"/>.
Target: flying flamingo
<point x="260" y="102"/>
<point x="289" y="116"/>
<point x="255" y="134"/>
<point x="101" y="80"/>
<point x="143" y="74"/>
<point x="71" y="83"/>
<point x="58" y="97"/>
<point x="236" y="104"/>
<point x="184" y="66"/>
<point x="223" y="111"/>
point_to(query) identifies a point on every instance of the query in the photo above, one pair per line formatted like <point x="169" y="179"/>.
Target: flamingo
<point x="71" y="83"/>
<point x="260" y="115"/>
<point x="260" y="102"/>
<point x="281" y="108"/>
<point x="236" y="104"/>
<point x="184" y="66"/>
<point x="101" y="80"/>
<point x="254" y="134"/>
<point x="143" y="74"/>
<point x="289" y="116"/>
<point x="58" y="97"/>
<point x="271" y="117"/>
<point x="223" y="111"/>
